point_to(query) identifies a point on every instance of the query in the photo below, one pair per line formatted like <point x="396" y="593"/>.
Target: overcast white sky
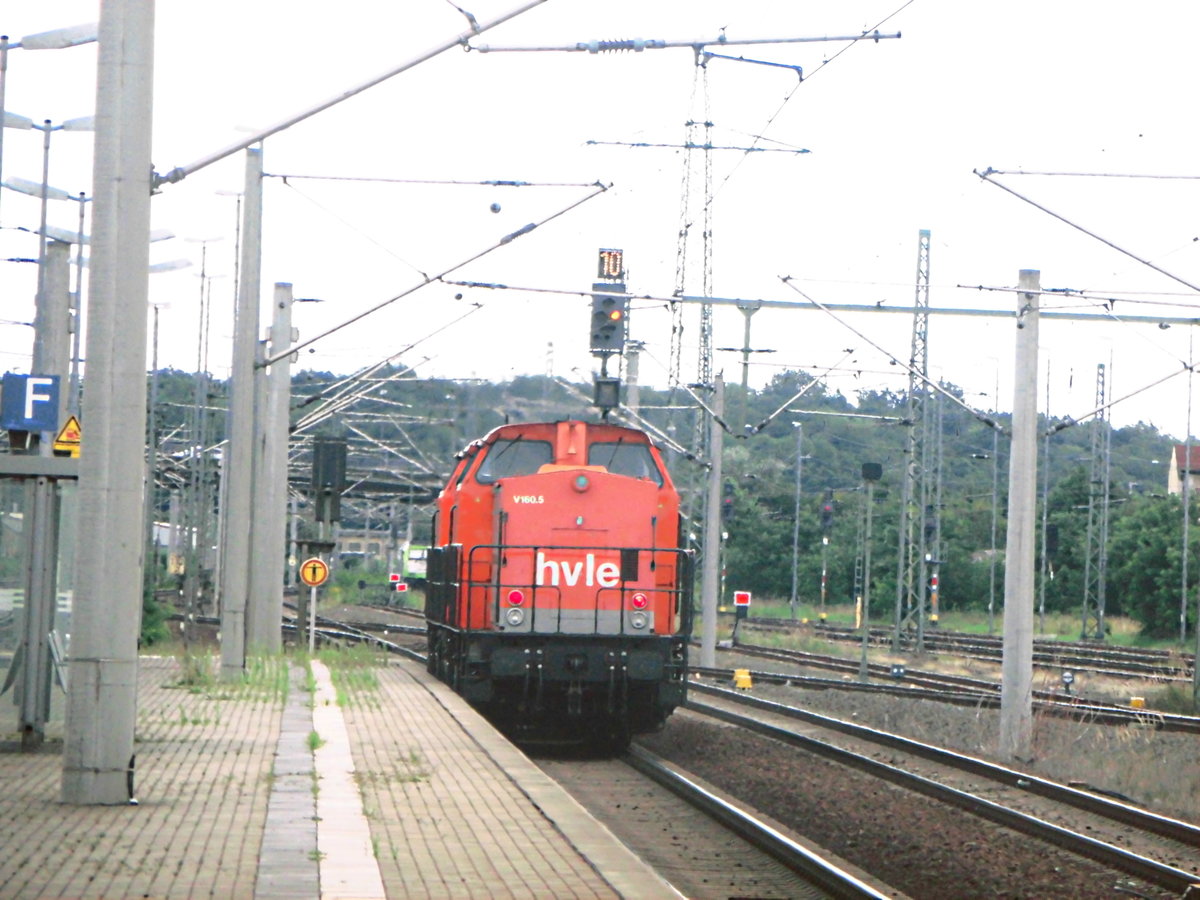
<point x="894" y="129"/>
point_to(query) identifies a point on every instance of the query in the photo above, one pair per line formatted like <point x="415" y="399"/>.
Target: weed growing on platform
<point x="353" y="671"/>
<point x="185" y="719"/>
<point x="363" y="779"/>
<point x="264" y="677"/>
<point x="196" y="671"/>
<point x="267" y="676"/>
<point x="315" y="741"/>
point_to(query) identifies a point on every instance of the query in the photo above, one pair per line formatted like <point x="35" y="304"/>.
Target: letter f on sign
<point x="32" y="395"/>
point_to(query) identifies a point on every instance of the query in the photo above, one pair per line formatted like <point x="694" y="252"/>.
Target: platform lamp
<point x="58" y="39"/>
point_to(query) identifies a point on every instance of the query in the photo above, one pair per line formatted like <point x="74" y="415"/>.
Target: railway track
<point x="757" y="855"/>
<point x="1154" y="849"/>
<point x="947" y="688"/>
<point x="1162" y="854"/>
<point x="1113" y="661"/>
<point x="705" y="845"/>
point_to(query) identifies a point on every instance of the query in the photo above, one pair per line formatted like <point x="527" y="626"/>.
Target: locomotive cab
<point x="559" y="598"/>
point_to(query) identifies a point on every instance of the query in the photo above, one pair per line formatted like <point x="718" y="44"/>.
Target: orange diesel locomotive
<point x="559" y="598"/>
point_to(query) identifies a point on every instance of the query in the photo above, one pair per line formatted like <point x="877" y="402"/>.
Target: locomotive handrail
<point x="494" y="557"/>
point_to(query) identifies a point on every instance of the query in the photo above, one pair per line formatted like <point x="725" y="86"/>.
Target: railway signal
<point x="608" y="323"/>
<point x="609" y="311"/>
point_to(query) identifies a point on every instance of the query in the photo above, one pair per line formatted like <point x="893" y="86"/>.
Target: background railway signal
<point x="827" y="512"/>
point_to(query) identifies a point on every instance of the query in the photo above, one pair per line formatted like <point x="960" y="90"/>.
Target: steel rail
<point x="817" y="870"/>
<point x="1106" y="854"/>
<point x="988" y="693"/>
<point x="1175" y="829"/>
<point x="1141" y="660"/>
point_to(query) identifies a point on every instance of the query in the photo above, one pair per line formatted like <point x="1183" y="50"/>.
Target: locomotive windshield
<point x="620" y="458"/>
<point x="516" y="457"/>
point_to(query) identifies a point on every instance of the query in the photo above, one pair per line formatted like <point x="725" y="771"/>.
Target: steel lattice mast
<point x="1095" y="571"/>
<point x="910" y="555"/>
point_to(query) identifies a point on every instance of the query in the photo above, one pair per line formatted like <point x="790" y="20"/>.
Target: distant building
<point x="1184" y="466"/>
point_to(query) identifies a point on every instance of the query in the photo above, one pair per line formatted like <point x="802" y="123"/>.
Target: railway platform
<point x="389" y="786"/>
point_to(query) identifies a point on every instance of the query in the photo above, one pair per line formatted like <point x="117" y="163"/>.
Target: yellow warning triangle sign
<point x="69" y="436"/>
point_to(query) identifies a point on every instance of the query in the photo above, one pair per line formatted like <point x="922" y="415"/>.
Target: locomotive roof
<point x="518" y="428"/>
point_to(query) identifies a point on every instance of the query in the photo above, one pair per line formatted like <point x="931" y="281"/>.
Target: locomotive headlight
<point x="581" y="483"/>
<point x="514" y="616"/>
<point x="638" y="619"/>
<point x="639" y="600"/>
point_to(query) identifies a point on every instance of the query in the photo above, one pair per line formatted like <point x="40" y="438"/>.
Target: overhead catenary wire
<point x="454" y="182"/>
<point x="1094" y="174"/>
<point x="1106" y="311"/>
<point x="458" y="40"/>
<point x="354" y="228"/>
<point x="986" y="174"/>
<point x="1106" y="296"/>
<point x="637" y="45"/>
<point x="348" y="391"/>
<point x="627" y="414"/>
<point x="869" y="33"/>
<point x="985" y="419"/>
<point x="1076" y="420"/>
<point x="430" y="279"/>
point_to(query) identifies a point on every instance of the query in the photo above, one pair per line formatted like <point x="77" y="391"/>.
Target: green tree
<point x="1144" y="570"/>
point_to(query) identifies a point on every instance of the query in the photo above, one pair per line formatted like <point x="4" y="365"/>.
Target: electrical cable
<point x="374" y="179"/>
<point x="987" y="420"/>
<point x="867" y="34"/>
<point x="985" y="175"/>
<point x="429" y="279"/>
<point x="354" y="228"/>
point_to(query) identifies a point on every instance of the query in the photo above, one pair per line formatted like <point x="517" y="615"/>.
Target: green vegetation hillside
<point x="410" y="428"/>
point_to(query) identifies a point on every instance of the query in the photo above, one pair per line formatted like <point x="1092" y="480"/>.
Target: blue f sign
<point x="29" y="403"/>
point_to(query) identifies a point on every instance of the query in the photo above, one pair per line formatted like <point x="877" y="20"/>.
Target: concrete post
<point x="51" y="327"/>
<point x="269" y="537"/>
<point x="710" y="583"/>
<point x="239" y="460"/>
<point x="1016" y="690"/>
<point x="257" y="585"/>
<point x="102" y="701"/>
<point x="633" y="353"/>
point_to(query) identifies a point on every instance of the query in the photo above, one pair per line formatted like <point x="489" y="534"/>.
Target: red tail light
<point x="516" y="598"/>
<point x="639" y="600"/>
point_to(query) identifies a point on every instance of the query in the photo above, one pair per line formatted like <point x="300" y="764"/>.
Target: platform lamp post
<point x="871" y="473"/>
<point x="58" y="39"/>
<point x="47" y="128"/>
